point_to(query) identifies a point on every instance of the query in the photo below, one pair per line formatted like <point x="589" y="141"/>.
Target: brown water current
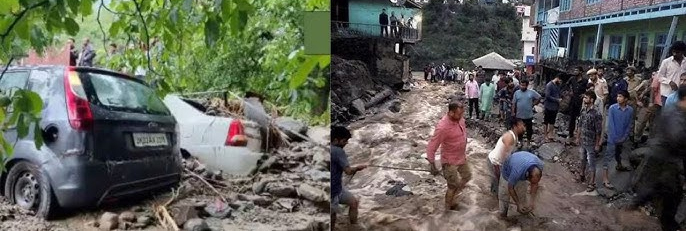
<point x="400" y="139"/>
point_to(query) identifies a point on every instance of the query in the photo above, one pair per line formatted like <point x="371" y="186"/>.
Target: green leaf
<point x="211" y="31"/>
<point x="22" y="29"/>
<point x="37" y="135"/>
<point x="115" y="28"/>
<point x="71" y="26"/>
<point x="22" y="126"/>
<point x="301" y="75"/>
<point x="227" y="10"/>
<point x="86" y="7"/>
<point x="244" y="5"/>
<point x="35" y="102"/>
<point x="8" y="149"/>
<point x="8" y="6"/>
<point x="324" y="61"/>
<point x="74" y="6"/>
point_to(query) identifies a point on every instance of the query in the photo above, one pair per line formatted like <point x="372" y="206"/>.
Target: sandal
<point x="590" y="188"/>
<point x="608" y="186"/>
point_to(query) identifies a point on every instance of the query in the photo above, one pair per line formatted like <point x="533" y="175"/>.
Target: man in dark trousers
<point x="73" y="53"/>
<point x="340" y="165"/>
<point x="578" y="85"/>
<point x="383" y="20"/>
<point x="523" y="103"/>
<point x="658" y="177"/>
<point x="551" y="106"/>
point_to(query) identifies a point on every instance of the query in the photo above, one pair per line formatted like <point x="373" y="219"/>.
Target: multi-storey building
<point x="528" y="37"/>
<point x="632" y="30"/>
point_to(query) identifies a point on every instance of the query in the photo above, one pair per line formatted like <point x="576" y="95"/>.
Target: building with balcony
<point x="639" y="31"/>
<point x="357" y="34"/>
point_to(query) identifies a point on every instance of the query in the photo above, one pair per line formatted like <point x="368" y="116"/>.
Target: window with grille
<point x="590" y="45"/>
<point x="592" y="1"/>
<point x="565" y="5"/>
<point x="615" y="50"/>
<point x="643" y="47"/>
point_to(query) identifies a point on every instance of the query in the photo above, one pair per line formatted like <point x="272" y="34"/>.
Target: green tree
<point x="204" y="45"/>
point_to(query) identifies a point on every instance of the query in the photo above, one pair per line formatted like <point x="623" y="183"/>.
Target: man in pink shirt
<point x="451" y="135"/>
<point x="471" y="91"/>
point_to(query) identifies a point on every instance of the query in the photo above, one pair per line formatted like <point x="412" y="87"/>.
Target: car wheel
<point x="28" y="187"/>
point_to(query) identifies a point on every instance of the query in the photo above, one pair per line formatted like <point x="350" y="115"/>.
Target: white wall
<point x="526" y="49"/>
<point x="528" y="34"/>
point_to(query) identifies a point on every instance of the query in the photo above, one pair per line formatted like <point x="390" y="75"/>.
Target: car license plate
<point x="149" y="139"/>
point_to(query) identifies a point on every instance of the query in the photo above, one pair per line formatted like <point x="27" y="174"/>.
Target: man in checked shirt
<point x="451" y="134"/>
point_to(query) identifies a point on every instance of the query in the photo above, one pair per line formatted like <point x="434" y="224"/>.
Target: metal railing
<point x="346" y="29"/>
<point x="542" y="17"/>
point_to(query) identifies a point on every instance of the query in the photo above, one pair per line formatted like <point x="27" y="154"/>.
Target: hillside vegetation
<point x="458" y="33"/>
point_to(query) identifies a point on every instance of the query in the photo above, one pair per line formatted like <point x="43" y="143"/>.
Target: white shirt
<point x="495" y="79"/>
<point x="496" y="155"/>
<point x="670" y="71"/>
<point x="515" y="81"/>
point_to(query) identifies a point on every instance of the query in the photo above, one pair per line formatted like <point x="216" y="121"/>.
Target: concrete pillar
<point x="668" y="43"/>
<point x="599" y="34"/>
<point x="569" y="40"/>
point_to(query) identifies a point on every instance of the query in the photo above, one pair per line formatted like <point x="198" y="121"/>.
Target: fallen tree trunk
<point x="378" y="98"/>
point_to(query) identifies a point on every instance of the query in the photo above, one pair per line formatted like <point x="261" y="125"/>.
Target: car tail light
<point x="78" y="107"/>
<point x="236" y="136"/>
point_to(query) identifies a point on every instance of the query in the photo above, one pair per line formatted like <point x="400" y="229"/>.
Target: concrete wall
<point x="580" y="9"/>
<point x="384" y="64"/>
<point x="526" y="49"/>
<point x="651" y="28"/>
<point x="367" y="11"/>
<point x="54" y="56"/>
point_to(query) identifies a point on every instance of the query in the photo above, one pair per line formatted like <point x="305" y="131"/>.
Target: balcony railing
<point x="346" y="29"/>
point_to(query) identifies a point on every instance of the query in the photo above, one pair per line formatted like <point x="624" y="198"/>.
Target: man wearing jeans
<point x="619" y="118"/>
<point x="519" y="170"/>
<point x="589" y="130"/>
<point x="339" y="165"/>
<point x="451" y="136"/>
<point x="523" y="107"/>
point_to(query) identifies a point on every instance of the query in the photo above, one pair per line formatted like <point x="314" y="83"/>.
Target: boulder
<point x="109" y="221"/>
<point x="292" y="127"/>
<point x="257" y="200"/>
<point x="196" y="224"/>
<point x="127" y="217"/>
<point x="311" y="193"/>
<point x="218" y="209"/>
<point x="183" y="213"/>
<point x="288" y="204"/>
<point x="358" y="106"/>
<point x="548" y="151"/>
<point x="258" y="187"/>
<point x="281" y="190"/>
<point x="317" y="175"/>
<point x="267" y="164"/>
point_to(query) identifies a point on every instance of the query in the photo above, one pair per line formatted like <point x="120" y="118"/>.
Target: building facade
<point x="528" y="37"/>
<point x="632" y="30"/>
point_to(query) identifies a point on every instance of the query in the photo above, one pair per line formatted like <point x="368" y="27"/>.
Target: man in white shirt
<point x="671" y="68"/>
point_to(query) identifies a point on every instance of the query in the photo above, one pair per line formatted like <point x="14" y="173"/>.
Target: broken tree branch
<point x="104" y="36"/>
<point x="162" y="214"/>
<point x="207" y="183"/>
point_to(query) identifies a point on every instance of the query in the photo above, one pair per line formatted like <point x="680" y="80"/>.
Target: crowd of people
<point x="599" y="114"/>
<point x="396" y="25"/>
<point x="87" y="56"/>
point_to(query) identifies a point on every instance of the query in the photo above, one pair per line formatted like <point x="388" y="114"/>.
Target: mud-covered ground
<point x="400" y="139"/>
<point x="289" y="192"/>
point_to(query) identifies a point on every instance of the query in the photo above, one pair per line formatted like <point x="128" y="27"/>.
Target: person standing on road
<point x="73" y="53"/>
<point x="506" y="145"/>
<point x="480" y="75"/>
<point x="520" y="169"/>
<point x="651" y="97"/>
<point x="551" y="106"/>
<point x="471" y="91"/>
<point x="599" y="86"/>
<point x="619" y="118"/>
<point x="87" y="54"/>
<point x="486" y="94"/>
<point x="633" y="84"/>
<point x="671" y="68"/>
<point x="523" y="102"/>
<point x="578" y="85"/>
<point x="340" y="165"/>
<point x="383" y="21"/>
<point x="451" y="135"/>
<point x="658" y="178"/>
<point x="589" y="130"/>
<point x="505" y="97"/>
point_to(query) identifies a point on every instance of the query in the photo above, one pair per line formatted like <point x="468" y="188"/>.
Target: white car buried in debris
<point x="221" y="143"/>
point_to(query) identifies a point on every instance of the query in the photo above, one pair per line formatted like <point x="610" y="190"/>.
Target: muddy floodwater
<point x="400" y="140"/>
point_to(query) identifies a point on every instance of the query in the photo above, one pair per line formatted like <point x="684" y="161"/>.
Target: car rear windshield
<point x="122" y="94"/>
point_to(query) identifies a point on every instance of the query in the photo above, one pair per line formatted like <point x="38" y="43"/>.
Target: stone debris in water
<point x="399" y="190"/>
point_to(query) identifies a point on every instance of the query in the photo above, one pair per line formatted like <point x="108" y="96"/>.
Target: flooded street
<point x="400" y="140"/>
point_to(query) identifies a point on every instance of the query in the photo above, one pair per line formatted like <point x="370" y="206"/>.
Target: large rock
<point x="279" y="189"/>
<point x="320" y="135"/>
<point x="292" y="127"/>
<point x="549" y="151"/>
<point x="184" y="213"/>
<point x="358" y="106"/>
<point x="257" y="200"/>
<point x="196" y="224"/>
<point x="258" y="187"/>
<point x="311" y="193"/>
<point x="218" y="209"/>
<point x="109" y="221"/>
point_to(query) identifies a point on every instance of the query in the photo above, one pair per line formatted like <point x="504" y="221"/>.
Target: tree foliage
<point x="205" y="45"/>
<point x="459" y="33"/>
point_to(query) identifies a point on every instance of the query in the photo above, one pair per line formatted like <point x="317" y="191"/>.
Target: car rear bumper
<point x="93" y="182"/>
<point x="239" y="161"/>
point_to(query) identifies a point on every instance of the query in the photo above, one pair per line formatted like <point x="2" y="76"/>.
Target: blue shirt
<point x="516" y="166"/>
<point x="339" y="161"/>
<point x="619" y="123"/>
<point x="671" y="100"/>
<point x="524" y="100"/>
<point x="552" y="95"/>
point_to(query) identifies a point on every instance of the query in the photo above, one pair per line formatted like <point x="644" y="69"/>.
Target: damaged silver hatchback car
<point x="107" y="135"/>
